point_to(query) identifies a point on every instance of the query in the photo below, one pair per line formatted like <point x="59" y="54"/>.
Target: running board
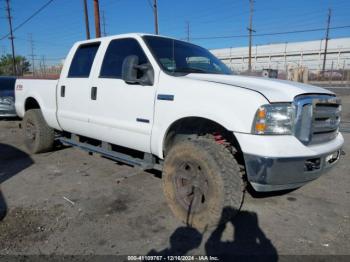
<point x="105" y="150"/>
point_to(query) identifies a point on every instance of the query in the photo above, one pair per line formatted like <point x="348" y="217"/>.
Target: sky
<point x="61" y="23"/>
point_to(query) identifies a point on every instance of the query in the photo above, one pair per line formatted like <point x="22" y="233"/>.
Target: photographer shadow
<point x="12" y="161"/>
<point x="181" y="241"/>
<point x="249" y="241"/>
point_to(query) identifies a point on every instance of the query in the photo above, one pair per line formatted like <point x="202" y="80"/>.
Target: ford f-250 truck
<point x="160" y="103"/>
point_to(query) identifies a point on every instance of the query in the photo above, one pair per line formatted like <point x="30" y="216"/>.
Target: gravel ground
<point x="69" y="203"/>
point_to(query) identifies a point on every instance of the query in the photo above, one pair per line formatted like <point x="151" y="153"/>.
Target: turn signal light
<point x="260" y="127"/>
<point x="261" y="113"/>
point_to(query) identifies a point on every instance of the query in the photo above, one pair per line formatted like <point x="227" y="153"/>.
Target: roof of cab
<point x="107" y="38"/>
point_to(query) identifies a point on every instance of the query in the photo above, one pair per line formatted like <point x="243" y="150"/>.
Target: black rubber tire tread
<point x="45" y="135"/>
<point x="226" y="176"/>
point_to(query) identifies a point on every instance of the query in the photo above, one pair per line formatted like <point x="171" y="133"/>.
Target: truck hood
<point x="273" y="90"/>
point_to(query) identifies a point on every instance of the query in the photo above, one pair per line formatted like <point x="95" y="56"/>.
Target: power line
<point x="150" y="4"/>
<point x="207" y="12"/>
<point x="107" y="5"/>
<point x="49" y="59"/>
<point x="269" y="34"/>
<point x="211" y="24"/>
<point x="29" y="18"/>
<point x="301" y="19"/>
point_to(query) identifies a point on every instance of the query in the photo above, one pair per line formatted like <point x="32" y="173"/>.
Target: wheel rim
<point x="191" y="186"/>
<point x="30" y="131"/>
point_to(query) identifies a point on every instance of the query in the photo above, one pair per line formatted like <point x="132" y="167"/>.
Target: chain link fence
<point x="326" y="78"/>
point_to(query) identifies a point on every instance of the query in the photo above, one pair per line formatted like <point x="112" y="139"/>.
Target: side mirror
<point x="133" y="73"/>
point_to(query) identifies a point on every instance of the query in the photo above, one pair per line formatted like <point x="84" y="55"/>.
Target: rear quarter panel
<point x="44" y="92"/>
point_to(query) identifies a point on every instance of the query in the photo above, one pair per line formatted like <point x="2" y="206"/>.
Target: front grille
<point x="326" y="120"/>
<point x="317" y="118"/>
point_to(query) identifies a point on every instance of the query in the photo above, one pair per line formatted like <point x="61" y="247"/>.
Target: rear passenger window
<point x="116" y="52"/>
<point x="83" y="60"/>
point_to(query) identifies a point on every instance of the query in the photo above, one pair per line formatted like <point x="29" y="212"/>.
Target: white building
<point x="286" y="55"/>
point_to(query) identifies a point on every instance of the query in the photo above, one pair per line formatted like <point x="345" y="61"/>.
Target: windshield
<point x="181" y="57"/>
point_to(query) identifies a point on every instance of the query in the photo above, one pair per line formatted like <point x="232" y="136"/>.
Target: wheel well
<point x="31" y="103"/>
<point x="191" y="126"/>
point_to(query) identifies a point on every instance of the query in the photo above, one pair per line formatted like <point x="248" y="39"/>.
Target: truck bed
<point x="43" y="91"/>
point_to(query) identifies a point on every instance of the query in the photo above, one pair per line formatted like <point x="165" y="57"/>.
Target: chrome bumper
<point x="273" y="174"/>
<point x="7" y="110"/>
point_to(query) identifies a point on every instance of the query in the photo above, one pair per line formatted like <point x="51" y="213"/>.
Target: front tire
<point x="201" y="179"/>
<point x="38" y="136"/>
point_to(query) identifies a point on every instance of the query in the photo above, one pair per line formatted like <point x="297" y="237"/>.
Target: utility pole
<point x="97" y="19"/>
<point x="43" y="66"/>
<point x="31" y="43"/>
<point x="250" y="29"/>
<point x="86" y="14"/>
<point x="9" y="17"/>
<point x="155" y="11"/>
<point x="104" y="23"/>
<point x="3" y="50"/>
<point x="327" y="38"/>
<point x="188" y="31"/>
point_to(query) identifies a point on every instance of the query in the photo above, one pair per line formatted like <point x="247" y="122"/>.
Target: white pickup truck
<point x="165" y="104"/>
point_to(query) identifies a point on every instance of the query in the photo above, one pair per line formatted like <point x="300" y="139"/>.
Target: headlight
<point x="274" y="119"/>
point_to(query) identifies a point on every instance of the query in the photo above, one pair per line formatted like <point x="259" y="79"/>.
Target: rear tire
<point x="202" y="182"/>
<point x="38" y="136"/>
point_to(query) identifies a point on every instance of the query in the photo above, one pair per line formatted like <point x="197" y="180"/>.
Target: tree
<point x="6" y="67"/>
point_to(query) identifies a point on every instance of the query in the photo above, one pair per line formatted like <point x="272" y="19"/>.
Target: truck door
<point x="73" y="92"/>
<point x="121" y="113"/>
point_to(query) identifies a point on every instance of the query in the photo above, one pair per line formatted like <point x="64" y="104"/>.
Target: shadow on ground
<point x="249" y="242"/>
<point x="12" y="161"/>
<point x="256" y="194"/>
<point x="10" y="119"/>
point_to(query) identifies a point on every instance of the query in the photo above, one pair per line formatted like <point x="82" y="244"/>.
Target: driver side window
<point x="116" y="52"/>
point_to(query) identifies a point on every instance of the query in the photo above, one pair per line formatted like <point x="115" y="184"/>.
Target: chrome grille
<point x="317" y="118"/>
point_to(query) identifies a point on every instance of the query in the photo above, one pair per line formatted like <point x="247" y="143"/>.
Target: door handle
<point x="93" y="93"/>
<point x="63" y="91"/>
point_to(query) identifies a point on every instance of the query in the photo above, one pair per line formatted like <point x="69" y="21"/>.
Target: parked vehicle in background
<point x="7" y="97"/>
<point x="161" y="103"/>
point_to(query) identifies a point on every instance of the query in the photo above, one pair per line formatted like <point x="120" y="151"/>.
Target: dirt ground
<point x="69" y="203"/>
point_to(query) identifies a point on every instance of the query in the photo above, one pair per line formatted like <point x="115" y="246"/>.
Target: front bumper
<point x="7" y="110"/>
<point x="278" y="173"/>
<point x="278" y="162"/>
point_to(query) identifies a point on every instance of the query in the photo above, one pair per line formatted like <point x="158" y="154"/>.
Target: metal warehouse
<point x="283" y="56"/>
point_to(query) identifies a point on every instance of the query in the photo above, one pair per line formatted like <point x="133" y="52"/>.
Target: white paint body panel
<point x="193" y="98"/>
<point x="274" y="90"/>
<point x="284" y="146"/>
<point x="231" y="101"/>
<point x="113" y="116"/>
<point x="73" y="108"/>
<point x="44" y="92"/>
